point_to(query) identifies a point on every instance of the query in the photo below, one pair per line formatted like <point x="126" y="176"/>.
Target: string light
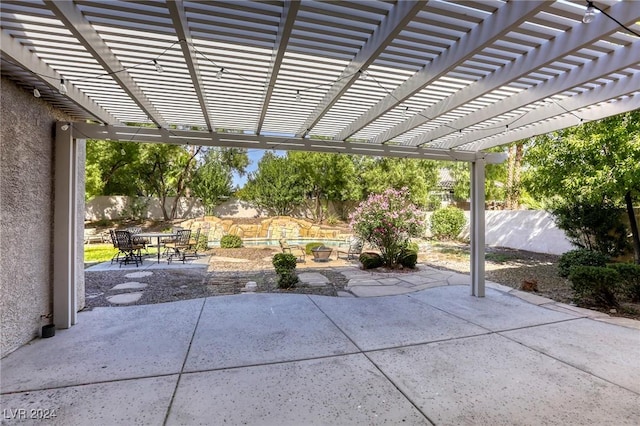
<point x="363" y="74"/>
<point x="158" y="67"/>
<point x="123" y="152"/>
<point x="36" y="92"/>
<point x="219" y="73"/>
<point x="404" y="112"/>
<point x="298" y="97"/>
<point x="589" y="14"/>
<point x="63" y="87"/>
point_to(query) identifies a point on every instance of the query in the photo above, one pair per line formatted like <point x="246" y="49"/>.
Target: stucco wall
<point x="531" y="230"/>
<point x="26" y="214"/>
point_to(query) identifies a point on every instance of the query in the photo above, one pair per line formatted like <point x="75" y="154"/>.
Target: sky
<point x="255" y="155"/>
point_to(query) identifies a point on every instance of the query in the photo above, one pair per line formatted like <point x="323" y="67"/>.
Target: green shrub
<point x="595" y="284"/>
<point x="371" y="260"/>
<point x="630" y="276"/>
<point x="409" y="255"/>
<point x="580" y="257"/>
<point x="203" y="241"/>
<point x="594" y="226"/>
<point x="447" y="223"/>
<point x="287" y="280"/>
<point x="285" y="265"/>
<point x="230" y="241"/>
<point x="311" y="246"/>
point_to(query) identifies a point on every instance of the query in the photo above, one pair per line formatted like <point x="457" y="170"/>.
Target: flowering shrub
<point x="387" y="221"/>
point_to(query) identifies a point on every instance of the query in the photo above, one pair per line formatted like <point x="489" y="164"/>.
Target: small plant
<point x="230" y="241"/>
<point x="595" y="284"/>
<point x="447" y="223"/>
<point x="203" y="242"/>
<point x="311" y="246"/>
<point x="371" y="260"/>
<point x="332" y="220"/>
<point x="285" y="266"/>
<point x="580" y="257"/>
<point x="409" y="255"/>
<point x="630" y="276"/>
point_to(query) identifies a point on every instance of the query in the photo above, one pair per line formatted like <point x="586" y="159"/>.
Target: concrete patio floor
<point x="434" y="356"/>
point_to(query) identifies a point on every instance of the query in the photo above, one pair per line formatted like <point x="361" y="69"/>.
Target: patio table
<point x="156" y="235"/>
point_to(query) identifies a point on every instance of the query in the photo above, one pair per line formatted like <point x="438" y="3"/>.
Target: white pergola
<point x="415" y="79"/>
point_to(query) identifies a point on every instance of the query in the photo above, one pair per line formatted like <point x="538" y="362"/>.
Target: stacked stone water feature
<point x="272" y="228"/>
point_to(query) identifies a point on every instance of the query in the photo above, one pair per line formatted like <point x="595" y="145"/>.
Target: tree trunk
<point x="510" y="177"/>
<point x="517" y="165"/>
<point x="634" y="227"/>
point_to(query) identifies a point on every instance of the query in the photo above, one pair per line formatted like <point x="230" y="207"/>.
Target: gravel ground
<point x="230" y="269"/>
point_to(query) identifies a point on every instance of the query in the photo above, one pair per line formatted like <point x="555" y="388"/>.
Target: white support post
<point x="477" y="228"/>
<point x="65" y="239"/>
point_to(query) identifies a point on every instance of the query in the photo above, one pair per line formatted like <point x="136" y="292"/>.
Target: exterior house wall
<point x="26" y="215"/>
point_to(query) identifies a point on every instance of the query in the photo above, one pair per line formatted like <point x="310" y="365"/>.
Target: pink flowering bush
<point x="387" y="221"/>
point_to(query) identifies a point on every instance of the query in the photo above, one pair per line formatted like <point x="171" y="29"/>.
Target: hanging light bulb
<point x="158" y="66"/>
<point x="364" y="74"/>
<point x="219" y="73"/>
<point x="123" y="152"/>
<point x="404" y="112"/>
<point x="36" y="92"/>
<point x="298" y="97"/>
<point x="589" y="14"/>
<point x="63" y="87"/>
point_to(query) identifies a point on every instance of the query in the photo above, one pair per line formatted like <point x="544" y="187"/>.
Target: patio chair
<point x="353" y="251"/>
<point x="180" y="245"/>
<point x="297" y="251"/>
<point x="138" y="240"/>
<point x="127" y="248"/>
<point x="114" y="241"/>
<point x="170" y="240"/>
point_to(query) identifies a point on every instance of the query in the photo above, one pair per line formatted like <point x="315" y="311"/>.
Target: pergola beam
<point x="235" y="140"/>
<point x="287" y="20"/>
<point x="401" y="14"/>
<point x="508" y="17"/>
<point x="555" y="49"/>
<point x="598" y="112"/>
<point x="622" y="58"/>
<point x="181" y="25"/>
<point x="26" y="59"/>
<point x="77" y="24"/>
<point x="556" y="111"/>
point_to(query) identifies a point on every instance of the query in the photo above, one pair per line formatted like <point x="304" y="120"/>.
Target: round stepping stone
<point x="132" y="285"/>
<point x="140" y="274"/>
<point x="123" y="299"/>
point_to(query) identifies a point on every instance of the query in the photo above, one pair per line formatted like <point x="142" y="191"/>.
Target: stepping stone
<point x="123" y="299"/>
<point x="141" y="274"/>
<point x="313" y="279"/>
<point x="250" y="286"/>
<point x="132" y="285"/>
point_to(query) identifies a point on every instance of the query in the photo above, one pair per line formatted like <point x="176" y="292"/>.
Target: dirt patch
<point x="512" y="267"/>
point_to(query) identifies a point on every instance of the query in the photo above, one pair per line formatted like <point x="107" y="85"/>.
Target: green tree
<point x="212" y="181"/>
<point x="275" y="186"/>
<point x="166" y="171"/>
<point x="110" y="167"/>
<point x="597" y="162"/>
<point x="326" y="178"/>
<point x="495" y="180"/>
<point x="418" y="176"/>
